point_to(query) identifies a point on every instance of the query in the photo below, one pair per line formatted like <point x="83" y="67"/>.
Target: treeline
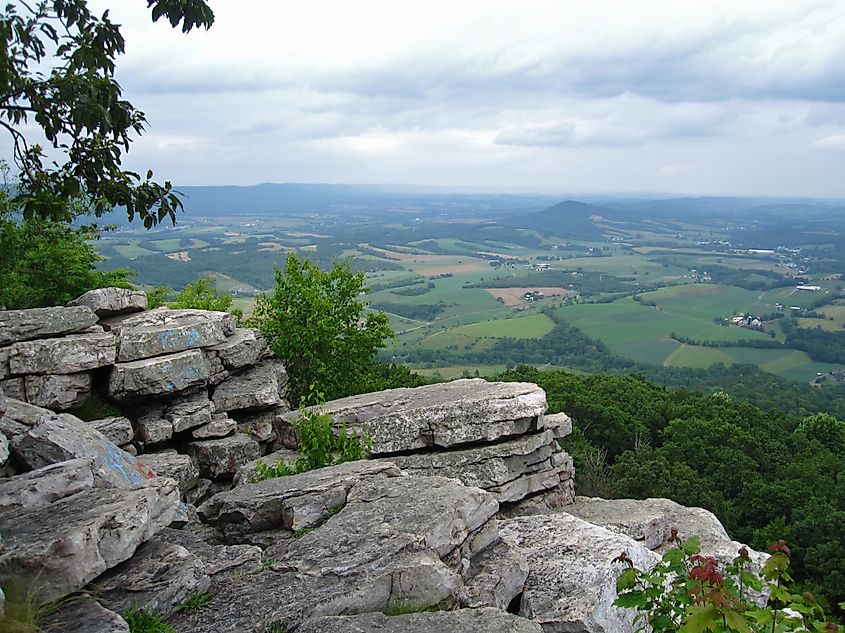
<point x="759" y="343"/>
<point x="421" y="312"/>
<point x="765" y="474"/>
<point x="822" y="346"/>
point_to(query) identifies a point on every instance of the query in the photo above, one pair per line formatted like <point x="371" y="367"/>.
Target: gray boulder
<point x="61" y="547"/>
<point x="46" y="485"/>
<point x="443" y="415"/>
<point x="245" y="347"/>
<point x="4" y="448"/>
<point x="84" y="615"/>
<point x="221" y="458"/>
<point x="158" y="578"/>
<point x="151" y="430"/>
<point x="651" y="520"/>
<point x="59" y="392"/>
<point x="107" y="302"/>
<point x="116" y="428"/>
<point x="23" y="325"/>
<point x="221" y="562"/>
<point x="24" y="413"/>
<point x="397" y="541"/>
<point x="189" y="411"/>
<point x="295" y="502"/>
<point x="159" y="376"/>
<point x="259" y="387"/>
<point x="571" y="584"/>
<point x="4" y="363"/>
<point x="61" y="437"/>
<point x="487" y="620"/>
<point x="171" y="464"/>
<point x="220" y="426"/>
<point x="495" y="576"/>
<point x="166" y="331"/>
<point x="259" y="425"/>
<point x="14" y="388"/>
<point x="68" y="355"/>
<point x="511" y="470"/>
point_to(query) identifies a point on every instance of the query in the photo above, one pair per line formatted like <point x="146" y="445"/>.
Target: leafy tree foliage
<point x="46" y="263"/>
<point x="314" y="320"/>
<point x="201" y="295"/>
<point x="57" y="74"/>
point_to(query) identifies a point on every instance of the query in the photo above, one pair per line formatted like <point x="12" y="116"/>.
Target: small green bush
<point x="319" y="446"/>
<point x="687" y="592"/>
<point x="142" y="621"/>
<point x="196" y="602"/>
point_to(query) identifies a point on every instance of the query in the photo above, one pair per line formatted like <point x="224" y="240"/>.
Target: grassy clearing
<point x="133" y="250"/>
<point x="531" y="326"/>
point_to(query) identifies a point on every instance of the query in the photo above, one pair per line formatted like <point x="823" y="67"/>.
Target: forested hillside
<point x="765" y="474"/>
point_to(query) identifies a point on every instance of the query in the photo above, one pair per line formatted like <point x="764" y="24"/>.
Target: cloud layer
<point x="698" y="97"/>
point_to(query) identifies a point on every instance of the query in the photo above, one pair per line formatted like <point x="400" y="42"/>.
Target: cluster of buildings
<point x="748" y="321"/>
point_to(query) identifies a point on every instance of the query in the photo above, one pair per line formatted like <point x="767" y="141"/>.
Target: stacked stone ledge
<point x="491" y="435"/>
<point x="199" y="396"/>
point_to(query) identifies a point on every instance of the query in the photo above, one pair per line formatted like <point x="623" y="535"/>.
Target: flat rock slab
<point x="4" y="363"/>
<point x="294" y="502"/>
<point x="571" y="584"/>
<point x="159" y="376"/>
<point x="220" y="426"/>
<point x="174" y="465"/>
<point x="511" y="470"/>
<point x="189" y="411"/>
<point x="24" y="413"/>
<point x="158" y="578"/>
<point x="24" y="325"/>
<point x="68" y="355"/>
<point x="220" y="561"/>
<point x="398" y="540"/>
<point x="259" y="387"/>
<point x="118" y="429"/>
<point x="442" y="415"/>
<point x="245" y="347"/>
<point x="84" y="615"/>
<point x="14" y="388"/>
<point x="4" y="448"/>
<point x="61" y="437"/>
<point x="46" y="485"/>
<point x="222" y="458"/>
<point x="107" y="302"/>
<point x="488" y="620"/>
<point x="60" y="392"/>
<point x="166" y="331"/>
<point x="63" y="546"/>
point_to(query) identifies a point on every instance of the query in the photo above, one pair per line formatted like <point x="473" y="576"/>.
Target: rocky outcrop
<point x="571" y="581"/>
<point x="109" y="302"/>
<point x="158" y="578"/>
<point x="466" y="503"/>
<point x="62" y="546"/>
<point x="493" y="435"/>
<point x="24" y="325"/>
<point x="396" y="540"/>
<point x="485" y="620"/>
<point x="650" y="521"/>
<point x="62" y="437"/>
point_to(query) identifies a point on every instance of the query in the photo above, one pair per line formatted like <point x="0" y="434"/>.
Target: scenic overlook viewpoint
<point x="387" y="317"/>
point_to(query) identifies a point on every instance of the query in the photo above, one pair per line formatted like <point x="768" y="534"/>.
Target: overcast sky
<point x="688" y="96"/>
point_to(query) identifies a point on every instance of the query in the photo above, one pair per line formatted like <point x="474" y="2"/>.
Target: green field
<point x="133" y="250"/>
<point x="531" y="326"/>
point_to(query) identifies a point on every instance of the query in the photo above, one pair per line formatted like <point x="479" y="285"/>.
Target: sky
<point x="702" y="97"/>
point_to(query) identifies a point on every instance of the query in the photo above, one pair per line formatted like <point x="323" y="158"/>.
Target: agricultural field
<point x="460" y="280"/>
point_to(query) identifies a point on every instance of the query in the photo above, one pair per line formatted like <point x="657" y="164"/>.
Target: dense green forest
<point x="765" y="474"/>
